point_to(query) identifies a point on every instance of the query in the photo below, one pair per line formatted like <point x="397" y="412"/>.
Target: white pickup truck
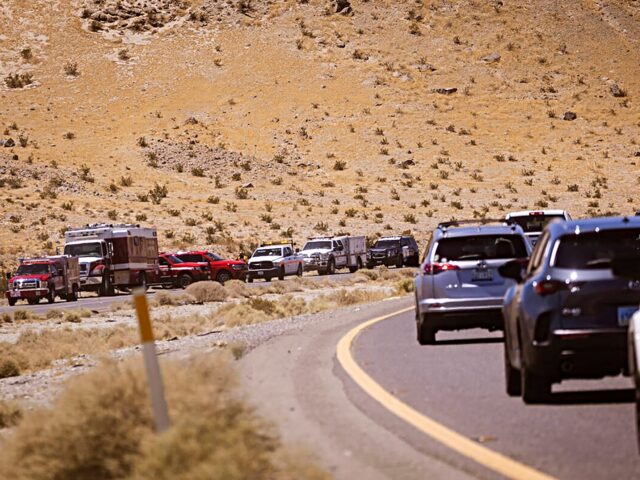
<point x="274" y="260"/>
<point x="327" y="254"/>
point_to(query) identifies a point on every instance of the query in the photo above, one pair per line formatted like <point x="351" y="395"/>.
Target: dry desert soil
<point x="225" y="122"/>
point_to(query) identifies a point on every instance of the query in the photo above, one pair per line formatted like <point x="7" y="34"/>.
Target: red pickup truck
<point x="221" y="269"/>
<point x="175" y="272"/>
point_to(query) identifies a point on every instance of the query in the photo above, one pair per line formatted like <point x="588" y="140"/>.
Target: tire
<point x="399" y="261"/>
<point x="300" y="271"/>
<point x="33" y="301"/>
<point x="223" y="276"/>
<point x="281" y="274"/>
<point x="353" y="269"/>
<point x="322" y="272"/>
<point x="331" y="267"/>
<point x="425" y="335"/>
<point x="184" y="281"/>
<point x="73" y="296"/>
<point x="12" y="302"/>
<point x="249" y="279"/>
<point x="535" y="388"/>
<point x="106" y="289"/>
<point x="143" y="281"/>
<point x="51" y="296"/>
<point x="511" y="375"/>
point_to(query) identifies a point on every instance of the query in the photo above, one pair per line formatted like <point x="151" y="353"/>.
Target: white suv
<point x="534" y="221"/>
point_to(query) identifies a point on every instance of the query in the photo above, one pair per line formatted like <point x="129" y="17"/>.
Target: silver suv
<point x="568" y="315"/>
<point x="458" y="285"/>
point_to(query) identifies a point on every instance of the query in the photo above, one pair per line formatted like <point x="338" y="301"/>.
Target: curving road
<point x="588" y="432"/>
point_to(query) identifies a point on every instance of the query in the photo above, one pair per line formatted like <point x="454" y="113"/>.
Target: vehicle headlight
<point x="389" y="253"/>
<point x="324" y="256"/>
<point x="238" y="266"/>
<point x="43" y="284"/>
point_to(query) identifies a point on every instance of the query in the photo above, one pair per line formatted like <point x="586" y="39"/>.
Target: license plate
<point x="260" y="273"/>
<point x="15" y="294"/>
<point x="625" y="314"/>
<point x="482" y="275"/>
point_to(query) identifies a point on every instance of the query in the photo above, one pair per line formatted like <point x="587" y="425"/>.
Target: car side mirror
<point x="626" y="267"/>
<point x="512" y="269"/>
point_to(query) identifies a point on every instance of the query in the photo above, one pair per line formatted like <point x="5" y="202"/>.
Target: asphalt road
<point x="586" y="432"/>
<point x="91" y="301"/>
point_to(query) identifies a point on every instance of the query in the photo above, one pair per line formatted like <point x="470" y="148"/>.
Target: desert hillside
<point x="224" y="122"/>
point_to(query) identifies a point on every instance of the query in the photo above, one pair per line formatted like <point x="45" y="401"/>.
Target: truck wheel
<point x="51" y="296"/>
<point x="184" y="281"/>
<point x="223" y="276"/>
<point x="512" y="376"/>
<point x="399" y="261"/>
<point x="281" y="274"/>
<point x="249" y="279"/>
<point x="331" y="267"/>
<point x="73" y="296"/>
<point x="33" y="301"/>
<point x="12" y="302"/>
<point x="106" y="289"/>
<point x="300" y="270"/>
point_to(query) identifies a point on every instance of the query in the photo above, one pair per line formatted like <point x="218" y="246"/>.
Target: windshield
<point x="92" y="249"/>
<point x="317" y="245"/>
<point x="33" y="269"/>
<point x="386" y="244"/>
<point x="268" y="252"/>
<point x="213" y="256"/>
<point x="481" y="247"/>
<point x="595" y="250"/>
<point x="534" y="223"/>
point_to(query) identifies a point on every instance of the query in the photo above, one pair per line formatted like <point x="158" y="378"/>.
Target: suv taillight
<point x="435" y="268"/>
<point x="549" y="287"/>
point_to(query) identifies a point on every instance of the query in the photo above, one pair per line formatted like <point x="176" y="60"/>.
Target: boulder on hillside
<point x="616" y="91"/>
<point x="569" y="116"/>
<point x="491" y="58"/>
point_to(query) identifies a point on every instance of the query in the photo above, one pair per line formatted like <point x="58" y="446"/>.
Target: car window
<point x="267" y="252"/>
<point x="480" y="247"/>
<point x="534" y="223"/>
<point x="318" y="244"/>
<point x="163" y="262"/>
<point x="189" y="257"/>
<point x="288" y="252"/>
<point x="386" y="244"/>
<point x="538" y="254"/>
<point x="595" y="250"/>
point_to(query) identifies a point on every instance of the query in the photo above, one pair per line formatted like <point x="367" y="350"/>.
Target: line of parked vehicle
<point x="564" y="291"/>
<point x="103" y="258"/>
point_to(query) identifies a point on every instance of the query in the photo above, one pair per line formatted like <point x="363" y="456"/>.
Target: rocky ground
<point x="366" y="117"/>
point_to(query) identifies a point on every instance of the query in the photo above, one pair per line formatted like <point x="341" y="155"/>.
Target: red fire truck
<point x="114" y="256"/>
<point x="45" y="277"/>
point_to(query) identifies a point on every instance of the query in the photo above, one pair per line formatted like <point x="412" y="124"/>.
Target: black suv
<point x="397" y="251"/>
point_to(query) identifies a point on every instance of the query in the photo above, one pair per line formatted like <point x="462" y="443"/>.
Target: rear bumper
<point x="579" y="354"/>
<point x="459" y="305"/>
<point x="458" y="314"/>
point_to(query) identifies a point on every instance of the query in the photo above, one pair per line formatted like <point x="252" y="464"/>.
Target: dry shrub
<point x="256" y="310"/>
<point x="36" y="350"/>
<point x="204" y="292"/>
<point x="53" y="313"/>
<point x="21" y="315"/>
<point x="166" y="327"/>
<point x="238" y="289"/>
<point x="171" y="299"/>
<point x="343" y="298"/>
<point x="101" y="428"/>
<point x="404" y="286"/>
<point x="10" y="414"/>
<point x="8" y="367"/>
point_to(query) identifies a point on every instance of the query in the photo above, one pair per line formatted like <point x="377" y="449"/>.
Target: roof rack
<point x="481" y="221"/>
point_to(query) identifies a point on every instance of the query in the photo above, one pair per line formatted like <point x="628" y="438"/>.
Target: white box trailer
<point x="328" y="254"/>
<point x="114" y="256"/>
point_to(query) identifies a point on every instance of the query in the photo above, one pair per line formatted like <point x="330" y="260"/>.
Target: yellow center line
<point x="484" y="456"/>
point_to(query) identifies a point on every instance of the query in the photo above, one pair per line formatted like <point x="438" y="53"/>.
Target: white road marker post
<point x="156" y="388"/>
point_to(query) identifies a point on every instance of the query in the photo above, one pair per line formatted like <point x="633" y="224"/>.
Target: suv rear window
<point x="534" y="223"/>
<point x="595" y="250"/>
<point x="480" y="247"/>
